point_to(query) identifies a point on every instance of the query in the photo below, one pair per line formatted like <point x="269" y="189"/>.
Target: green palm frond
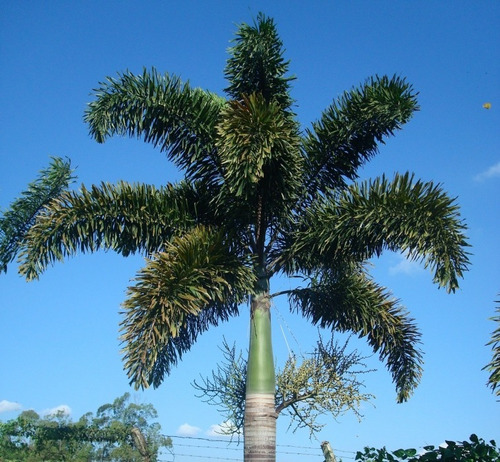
<point x="412" y="216"/>
<point x="125" y="218"/>
<point x="252" y="133"/>
<point x="167" y="113"/>
<point x="257" y="65"/>
<point x="259" y="148"/>
<point x="349" y="300"/>
<point x="196" y="282"/>
<point x="494" y="366"/>
<point x="22" y="213"/>
<point x="350" y="130"/>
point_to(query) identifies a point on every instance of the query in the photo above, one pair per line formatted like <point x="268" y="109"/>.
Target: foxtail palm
<point x="260" y="198"/>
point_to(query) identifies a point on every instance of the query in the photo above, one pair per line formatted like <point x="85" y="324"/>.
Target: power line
<point x="199" y="438"/>
<point x="229" y="442"/>
<point x="277" y="311"/>
<point x="205" y="457"/>
<point x="206" y="447"/>
<point x="295" y="450"/>
<point x="232" y="441"/>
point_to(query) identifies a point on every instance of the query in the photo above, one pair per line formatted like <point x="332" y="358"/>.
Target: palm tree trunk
<point x="260" y="414"/>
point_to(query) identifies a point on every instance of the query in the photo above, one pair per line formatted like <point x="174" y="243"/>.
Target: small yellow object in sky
<point x="487" y="105"/>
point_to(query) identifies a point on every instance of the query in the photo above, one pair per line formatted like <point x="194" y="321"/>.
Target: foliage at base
<point x="325" y="382"/>
<point x="475" y="450"/>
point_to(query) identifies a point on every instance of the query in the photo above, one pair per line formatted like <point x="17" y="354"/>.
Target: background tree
<point x="128" y="424"/>
<point x="31" y="438"/>
<point x="261" y="198"/>
<point x="120" y="432"/>
<point x="56" y="438"/>
<point x="15" y="436"/>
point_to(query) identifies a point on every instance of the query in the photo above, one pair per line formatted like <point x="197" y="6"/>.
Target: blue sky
<point x="59" y="336"/>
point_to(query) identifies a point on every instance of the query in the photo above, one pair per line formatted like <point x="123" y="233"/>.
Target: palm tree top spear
<point x="261" y="197"/>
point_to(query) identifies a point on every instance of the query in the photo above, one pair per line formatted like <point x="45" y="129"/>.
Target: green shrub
<point x="477" y="450"/>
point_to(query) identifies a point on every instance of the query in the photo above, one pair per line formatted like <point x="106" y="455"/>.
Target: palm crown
<point x="260" y="197"/>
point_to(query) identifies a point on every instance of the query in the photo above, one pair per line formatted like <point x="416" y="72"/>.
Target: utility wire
<point x="228" y="443"/>
<point x="283" y="320"/>
<point x="204" y="457"/>
<point x="206" y="447"/>
<point x="234" y="441"/>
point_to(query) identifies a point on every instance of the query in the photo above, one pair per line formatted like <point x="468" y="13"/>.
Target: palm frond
<point x="196" y="282"/>
<point x="415" y="217"/>
<point x="349" y="300"/>
<point x="180" y="120"/>
<point x="257" y="65"/>
<point x="258" y="144"/>
<point x="124" y="218"/>
<point x="21" y="214"/>
<point x="494" y="366"/>
<point x="350" y="130"/>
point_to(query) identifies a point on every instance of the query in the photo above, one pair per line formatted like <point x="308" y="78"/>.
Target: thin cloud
<point x="63" y="409"/>
<point x="188" y="430"/>
<point x="405" y="266"/>
<point x="492" y="172"/>
<point x="223" y="429"/>
<point x="9" y="406"/>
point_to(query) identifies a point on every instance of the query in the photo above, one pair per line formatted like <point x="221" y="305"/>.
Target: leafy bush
<point x="120" y="431"/>
<point x="475" y="450"/>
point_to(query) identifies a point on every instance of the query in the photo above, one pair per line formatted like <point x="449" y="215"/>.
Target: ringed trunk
<point x="260" y="415"/>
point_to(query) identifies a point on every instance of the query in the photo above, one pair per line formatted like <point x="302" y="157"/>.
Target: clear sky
<point x="59" y="336"/>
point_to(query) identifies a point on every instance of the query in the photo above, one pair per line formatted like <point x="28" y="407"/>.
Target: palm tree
<point x="261" y="197"/>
